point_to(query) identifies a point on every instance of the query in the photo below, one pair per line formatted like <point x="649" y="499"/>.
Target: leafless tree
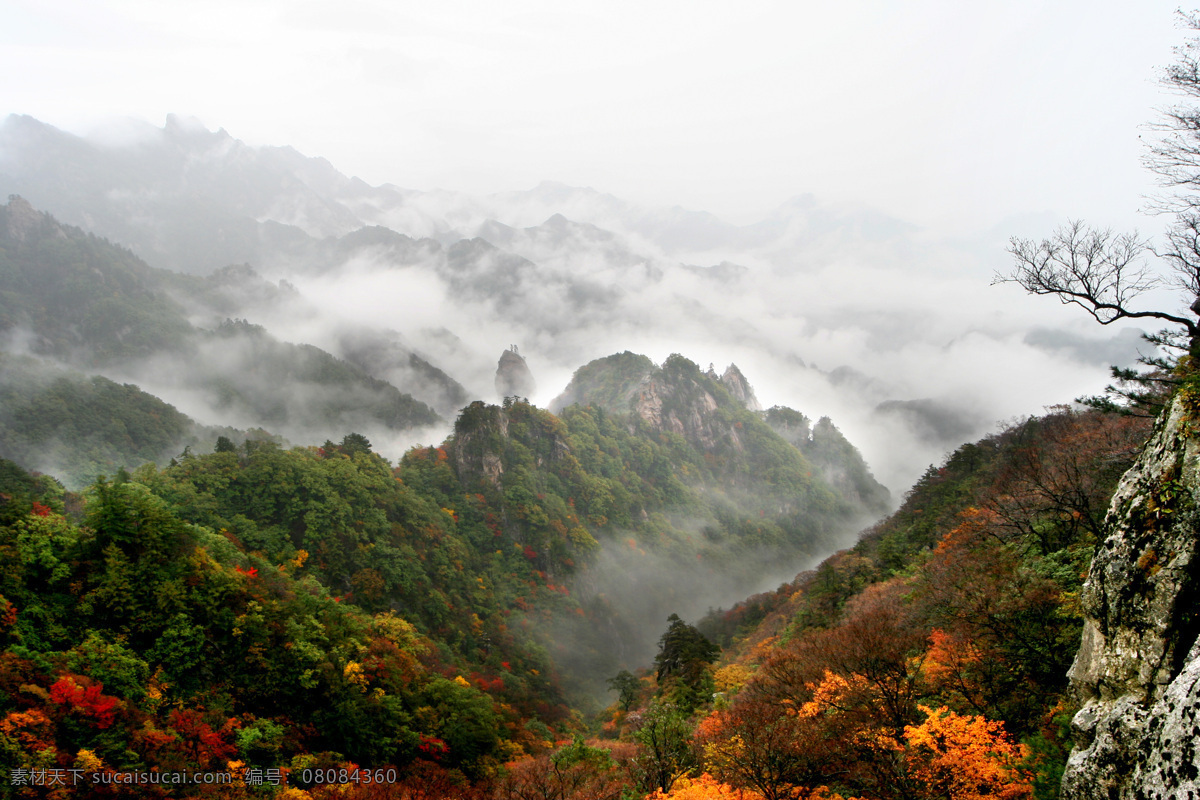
<point x="1175" y="155"/>
<point x="1096" y="270"/>
<point x="1105" y="273"/>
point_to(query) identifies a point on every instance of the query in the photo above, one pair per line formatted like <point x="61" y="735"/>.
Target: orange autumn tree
<point x="829" y="708"/>
<point x="704" y="787"/>
<point x="953" y="668"/>
<point x="965" y="758"/>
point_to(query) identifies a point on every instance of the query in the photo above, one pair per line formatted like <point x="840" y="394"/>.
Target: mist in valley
<point x="846" y="279"/>
<point x="836" y="312"/>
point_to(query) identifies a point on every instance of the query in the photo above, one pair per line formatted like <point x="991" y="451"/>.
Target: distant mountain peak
<point x="513" y="377"/>
<point x="182" y="122"/>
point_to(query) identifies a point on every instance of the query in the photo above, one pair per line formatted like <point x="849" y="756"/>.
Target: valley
<point x="305" y="477"/>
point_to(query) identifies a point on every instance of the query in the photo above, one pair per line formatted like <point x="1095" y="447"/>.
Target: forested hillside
<point x="312" y="607"/>
<point x="932" y="656"/>
<point x="220" y="553"/>
<point x="70" y="301"/>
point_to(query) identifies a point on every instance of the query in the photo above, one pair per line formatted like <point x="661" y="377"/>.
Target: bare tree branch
<point x="1098" y="271"/>
<point x="1175" y="157"/>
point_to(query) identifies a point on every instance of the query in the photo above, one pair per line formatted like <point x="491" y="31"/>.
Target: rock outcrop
<point x="478" y="445"/>
<point x="739" y="388"/>
<point x="23" y="219"/>
<point x="674" y="402"/>
<point x="1137" y="672"/>
<point x="513" y="378"/>
<point x="481" y="438"/>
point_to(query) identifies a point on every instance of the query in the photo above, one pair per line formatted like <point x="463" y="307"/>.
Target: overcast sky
<point x="952" y="115"/>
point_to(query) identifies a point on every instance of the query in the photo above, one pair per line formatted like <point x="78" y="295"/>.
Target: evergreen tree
<point x="684" y="654"/>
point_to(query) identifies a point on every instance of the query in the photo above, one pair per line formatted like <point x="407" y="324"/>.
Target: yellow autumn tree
<point x="966" y="758"/>
<point x="705" y="787"/>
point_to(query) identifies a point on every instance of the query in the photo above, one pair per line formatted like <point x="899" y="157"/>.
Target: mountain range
<point x="800" y="298"/>
<point x="269" y="504"/>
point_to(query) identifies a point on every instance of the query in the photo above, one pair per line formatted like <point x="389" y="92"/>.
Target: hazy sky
<point x="952" y="115"/>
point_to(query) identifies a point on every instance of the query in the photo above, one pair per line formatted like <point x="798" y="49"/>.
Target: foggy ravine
<point x="832" y="310"/>
<point x="642" y="589"/>
<point x="622" y="401"/>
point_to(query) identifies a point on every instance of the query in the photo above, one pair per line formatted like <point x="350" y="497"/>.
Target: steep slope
<point x="79" y="300"/>
<point x="710" y="411"/>
<point x="1138" y="667"/>
<point x="935" y="652"/>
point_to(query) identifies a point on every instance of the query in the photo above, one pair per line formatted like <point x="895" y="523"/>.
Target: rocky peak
<point x="736" y="384"/>
<point x="513" y="378"/>
<point x="482" y="434"/>
<point x="1137" y="672"/>
<point x="479" y="434"/>
<point x="667" y="406"/>
<point x="675" y="398"/>
<point x="23" y="219"/>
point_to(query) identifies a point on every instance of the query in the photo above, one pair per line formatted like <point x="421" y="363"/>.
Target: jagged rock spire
<point x="513" y="378"/>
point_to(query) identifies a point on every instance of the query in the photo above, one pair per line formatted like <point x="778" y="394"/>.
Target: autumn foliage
<point x="965" y="758"/>
<point x="82" y="695"/>
<point x="703" y="787"/>
<point x="930" y="661"/>
<point x="202" y="615"/>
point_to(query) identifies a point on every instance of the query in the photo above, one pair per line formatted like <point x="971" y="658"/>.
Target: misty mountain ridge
<point x="690" y="470"/>
<point x="553" y="540"/>
<point x="238" y="374"/>
<point x="149" y="177"/>
<point x="70" y="298"/>
<point x="570" y="273"/>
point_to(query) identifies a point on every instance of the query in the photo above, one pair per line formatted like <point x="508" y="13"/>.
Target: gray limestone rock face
<point x="1137" y="672"/>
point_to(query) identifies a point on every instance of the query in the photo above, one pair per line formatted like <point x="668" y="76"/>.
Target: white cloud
<point x="950" y="115"/>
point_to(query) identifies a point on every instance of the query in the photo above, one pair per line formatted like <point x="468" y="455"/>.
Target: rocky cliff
<point x="1137" y="673"/>
<point x="738" y="387"/>
<point x="513" y="378"/>
<point x="720" y="416"/>
<point x="674" y="398"/>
